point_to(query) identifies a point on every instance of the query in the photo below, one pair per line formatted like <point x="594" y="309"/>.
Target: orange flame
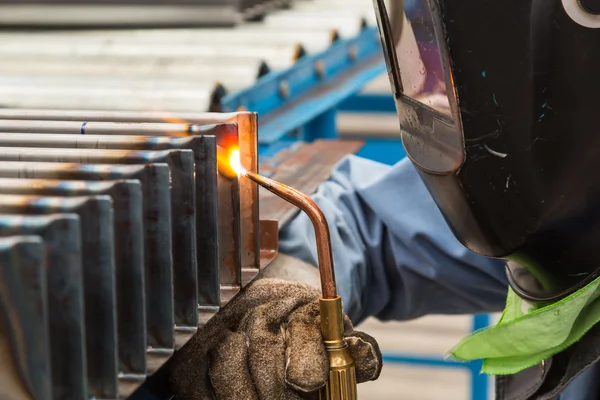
<point x="229" y="162"/>
<point x="236" y="163"/>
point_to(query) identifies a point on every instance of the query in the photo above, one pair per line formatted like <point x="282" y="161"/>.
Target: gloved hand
<point x="266" y="344"/>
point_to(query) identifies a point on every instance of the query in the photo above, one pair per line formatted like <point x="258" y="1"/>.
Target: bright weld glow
<point x="235" y="162"/>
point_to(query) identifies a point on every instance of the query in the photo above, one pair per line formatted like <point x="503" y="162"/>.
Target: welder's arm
<point x="395" y="258"/>
<point x="394" y="255"/>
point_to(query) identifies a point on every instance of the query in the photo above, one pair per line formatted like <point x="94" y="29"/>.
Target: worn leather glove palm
<point x="266" y="344"/>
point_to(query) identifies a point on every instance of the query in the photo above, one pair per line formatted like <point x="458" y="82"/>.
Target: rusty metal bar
<point x="269" y="242"/>
<point x="97" y="221"/>
<point x="129" y="252"/>
<point x="155" y="180"/>
<point x="24" y="344"/>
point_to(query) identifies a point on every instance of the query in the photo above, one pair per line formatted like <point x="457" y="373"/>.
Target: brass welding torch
<point x="342" y="372"/>
<point x="342" y="383"/>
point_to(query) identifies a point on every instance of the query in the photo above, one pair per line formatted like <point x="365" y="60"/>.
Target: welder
<point x="495" y="208"/>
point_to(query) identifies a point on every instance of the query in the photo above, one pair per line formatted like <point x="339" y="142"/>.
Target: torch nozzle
<point x="306" y="204"/>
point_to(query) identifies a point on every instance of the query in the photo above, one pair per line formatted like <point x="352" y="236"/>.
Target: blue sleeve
<point x="395" y="257"/>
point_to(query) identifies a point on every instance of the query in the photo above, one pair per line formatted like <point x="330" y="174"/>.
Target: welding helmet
<point x="498" y="104"/>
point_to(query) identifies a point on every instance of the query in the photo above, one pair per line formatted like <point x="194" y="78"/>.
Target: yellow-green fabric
<point x="526" y="335"/>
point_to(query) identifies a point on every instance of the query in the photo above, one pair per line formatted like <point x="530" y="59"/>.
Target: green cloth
<point x="526" y="335"/>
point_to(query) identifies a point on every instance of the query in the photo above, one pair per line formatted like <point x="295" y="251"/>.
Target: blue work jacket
<point x="395" y="256"/>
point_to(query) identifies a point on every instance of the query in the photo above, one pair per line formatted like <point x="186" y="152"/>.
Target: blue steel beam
<point x="315" y="85"/>
<point x="369" y="103"/>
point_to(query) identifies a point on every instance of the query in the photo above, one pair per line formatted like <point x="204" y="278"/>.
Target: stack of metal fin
<point x="179" y="70"/>
<point x="118" y="238"/>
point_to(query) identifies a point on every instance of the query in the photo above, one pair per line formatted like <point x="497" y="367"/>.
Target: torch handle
<point x="342" y="372"/>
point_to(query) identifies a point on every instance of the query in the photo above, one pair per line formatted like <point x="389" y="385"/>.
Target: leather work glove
<point x="266" y="343"/>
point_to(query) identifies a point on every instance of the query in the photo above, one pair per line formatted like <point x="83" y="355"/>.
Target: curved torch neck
<point x="306" y="204"/>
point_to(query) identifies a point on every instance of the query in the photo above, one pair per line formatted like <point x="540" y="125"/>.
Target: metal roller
<point x="155" y="180"/>
<point x="89" y="14"/>
<point x="106" y="82"/>
<point x="147" y="83"/>
<point x="234" y="73"/>
<point x="103" y="98"/>
<point x="61" y="14"/>
<point x="255" y="10"/>
<point x="105" y="88"/>
<point x="183" y="240"/>
<point x="97" y="226"/>
<point x="147" y="51"/>
<point x="278" y="55"/>
<point x="58" y="14"/>
<point x="346" y="23"/>
<point x="245" y="35"/>
<point x="153" y="123"/>
<point x="24" y="343"/>
<point x="358" y="9"/>
<point x="129" y="257"/>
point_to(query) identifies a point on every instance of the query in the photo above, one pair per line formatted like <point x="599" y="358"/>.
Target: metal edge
<point x="24" y="319"/>
<point x="65" y="293"/>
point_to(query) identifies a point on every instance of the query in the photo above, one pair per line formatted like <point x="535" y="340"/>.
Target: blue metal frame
<point x="305" y="96"/>
<point x="371" y="103"/>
